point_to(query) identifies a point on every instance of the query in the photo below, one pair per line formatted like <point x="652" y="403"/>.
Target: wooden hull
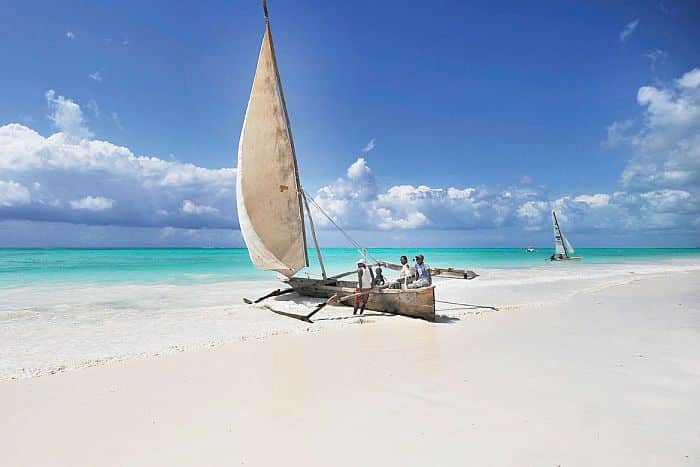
<point x="416" y="303"/>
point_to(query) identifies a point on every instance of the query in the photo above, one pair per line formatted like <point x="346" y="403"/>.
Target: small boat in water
<point x="563" y="249"/>
<point x="530" y="250"/>
<point x="271" y="206"/>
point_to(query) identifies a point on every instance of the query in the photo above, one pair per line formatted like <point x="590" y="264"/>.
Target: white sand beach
<point x="608" y="373"/>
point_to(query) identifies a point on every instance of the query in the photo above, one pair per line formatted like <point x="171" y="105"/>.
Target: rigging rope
<point x="347" y="236"/>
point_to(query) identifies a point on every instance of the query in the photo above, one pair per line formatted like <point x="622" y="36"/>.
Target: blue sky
<point x="482" y="117"/>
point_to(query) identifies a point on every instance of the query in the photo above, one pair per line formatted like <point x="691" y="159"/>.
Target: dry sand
<point x="603" y="376"/>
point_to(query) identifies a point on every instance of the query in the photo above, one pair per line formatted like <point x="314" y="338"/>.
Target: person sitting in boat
<point x="405" y="275"/>
<point x="365" y="279"/>
<point x="378" y="277"/>
<point x="423" y="274"/>
<point x="552" y="258"/>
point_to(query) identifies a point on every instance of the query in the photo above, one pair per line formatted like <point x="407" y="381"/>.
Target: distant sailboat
<point x="563" y="249"/>
<point x="271" y="205"/>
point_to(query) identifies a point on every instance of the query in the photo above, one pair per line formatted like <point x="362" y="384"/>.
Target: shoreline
<point x="111" y="324"/>
<point x="605" y="376"/>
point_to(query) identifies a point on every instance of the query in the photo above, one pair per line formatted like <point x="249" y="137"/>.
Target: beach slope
<point x="608" y="376"/>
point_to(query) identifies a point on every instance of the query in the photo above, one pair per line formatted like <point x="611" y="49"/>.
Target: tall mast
<point x="288" y="125"/>
<point x="300" y="190"/>
<point x="313" y="236"/>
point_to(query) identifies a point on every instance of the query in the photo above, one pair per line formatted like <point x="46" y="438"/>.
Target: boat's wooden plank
<point x="417" y="303"/>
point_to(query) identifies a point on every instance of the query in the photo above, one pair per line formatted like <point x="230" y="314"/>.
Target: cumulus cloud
<point x="666" y="143"/>
<point x="67" y="116"/>
<point x="690" y="80"/>
<point x="13" y="194"/>
<point x="628" y="30"/>
<point x="188" y="207"/>
<point x="70" y="35"/>
<point x="359" y="170"/>
<point x="662" y="178"/>
<point x="660" y="186"/>
<point x="369" y="146"/>
<point x="355" y="201"/>
<point x="595" y="201"/>
<point x="92" y="203"/>
<point x="71" y="177"/>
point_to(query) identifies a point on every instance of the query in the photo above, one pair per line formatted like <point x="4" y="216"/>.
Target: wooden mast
<point x="300" y="190"/>
<point x="289" y="127"/>
<point x="313" y="236"/>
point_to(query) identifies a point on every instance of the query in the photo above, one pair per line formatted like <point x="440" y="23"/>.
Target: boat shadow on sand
<point x="310" y="303"/>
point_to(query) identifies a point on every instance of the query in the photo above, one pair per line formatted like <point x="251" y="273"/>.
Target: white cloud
<point x="188" y="207"/>
<point x="691" y="79"/>
<point x="125" y="189"/>
<point x="594" y="201"/>
<point x="618" y="132"/>
<point x="13" y="194"/>
<point x="662" y="179"/>
<point x="628" y="30"/>
<point x="533" y="214"/>
<point x="369" y="146"/>
<point x="666" y="144"/>
<point x="659" y="188"/>
<point x="362" y="206"/>
<point x="67" y="116"/>
<point x="70" y="35"/>
<point x="91" y="203"/>
<point x="669" y="201"/>
<point x="359" y="170"/>
<point x="96" y="76"/>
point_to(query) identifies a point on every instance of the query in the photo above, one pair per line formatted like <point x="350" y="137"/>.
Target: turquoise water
<point x="27" y="267"/>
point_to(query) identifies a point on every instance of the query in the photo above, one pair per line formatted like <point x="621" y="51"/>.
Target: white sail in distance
<point x="569" y="247"/>
<point x="268" y="192"/>
<point x="559" y="248"/>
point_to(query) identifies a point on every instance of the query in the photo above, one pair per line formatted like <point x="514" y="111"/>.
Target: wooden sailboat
<point x="272" y="204"/>
<point x="563" y="249"/>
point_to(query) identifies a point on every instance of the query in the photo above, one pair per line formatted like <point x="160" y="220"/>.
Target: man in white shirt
<point x="405" y="273"/>
<point x="365" y="279"/>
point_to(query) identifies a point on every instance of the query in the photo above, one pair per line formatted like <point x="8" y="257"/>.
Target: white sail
<point x="559" y="248"/>
<point x="569" y="247"/>
<point x="270" y="211"/>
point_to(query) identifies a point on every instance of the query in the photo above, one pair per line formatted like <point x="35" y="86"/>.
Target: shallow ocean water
<point x="66" y="309"/>
<point x="28" y="267"/>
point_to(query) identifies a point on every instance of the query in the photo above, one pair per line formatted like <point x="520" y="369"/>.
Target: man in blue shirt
<point x="423" y="272"/>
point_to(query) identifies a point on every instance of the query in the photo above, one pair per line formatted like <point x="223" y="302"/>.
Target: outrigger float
<point x="271" y="206"/>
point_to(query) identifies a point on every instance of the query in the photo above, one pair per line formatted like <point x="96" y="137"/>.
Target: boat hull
<point x="416" y="303"/>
